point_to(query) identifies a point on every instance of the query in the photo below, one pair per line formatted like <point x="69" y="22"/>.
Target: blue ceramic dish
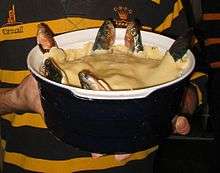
<point x="109" y="121"/>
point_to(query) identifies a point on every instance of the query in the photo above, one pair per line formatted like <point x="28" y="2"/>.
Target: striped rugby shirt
<point x="28" y="145"/>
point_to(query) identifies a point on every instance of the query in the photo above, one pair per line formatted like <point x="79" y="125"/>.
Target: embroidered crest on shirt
<point x="11" y="20"/>
<point x="123" y="15"/>
<point x="10" y="26"/>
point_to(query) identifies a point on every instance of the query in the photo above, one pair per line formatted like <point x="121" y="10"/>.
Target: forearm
<point x="190" y="100"/>
<point x="23" y="98"/>
<point x="8" y="101"/>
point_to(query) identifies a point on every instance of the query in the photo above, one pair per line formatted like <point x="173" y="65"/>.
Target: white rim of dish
<point x="66" y="39"/>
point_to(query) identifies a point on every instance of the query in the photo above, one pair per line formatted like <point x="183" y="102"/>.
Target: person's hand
<point x="28" y="96"/>
<point x="189" y="103"/>
<point x="181" y="125"/>
<point x="118" y="157"/>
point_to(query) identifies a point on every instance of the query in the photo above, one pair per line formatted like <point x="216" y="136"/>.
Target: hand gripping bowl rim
<point x="71" y="39"/>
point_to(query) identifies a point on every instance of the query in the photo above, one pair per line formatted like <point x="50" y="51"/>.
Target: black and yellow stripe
<point x="27" y="119"/>
<point x="174" y="14"/>
<point x="71" y="165"/>
<point x="12" y="76"/>
<point x="58" y="26"/>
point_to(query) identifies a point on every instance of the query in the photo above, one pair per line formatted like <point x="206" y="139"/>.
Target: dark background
<point x="194" y="153"/>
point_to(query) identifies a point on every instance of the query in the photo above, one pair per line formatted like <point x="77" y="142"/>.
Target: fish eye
<point x="133" y="32"/>
<point x="85" y="76"/>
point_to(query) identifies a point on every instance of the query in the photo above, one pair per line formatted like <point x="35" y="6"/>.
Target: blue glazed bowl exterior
<point x="110" y="126"/>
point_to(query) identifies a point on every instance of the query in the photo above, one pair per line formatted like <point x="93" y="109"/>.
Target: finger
<point x="121" y="157"/>
<point x="118" y="157"/>
<point x="182" y="126"/>
<point x="96" y="155"/>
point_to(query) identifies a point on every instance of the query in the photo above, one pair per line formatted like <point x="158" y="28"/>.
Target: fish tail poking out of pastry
<point x="89" y="81"/>
<point x="181" y="45"/>
<point x="105" y="37"/>
<point x="133" y="40"/>
<point x="45" y="37"/>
